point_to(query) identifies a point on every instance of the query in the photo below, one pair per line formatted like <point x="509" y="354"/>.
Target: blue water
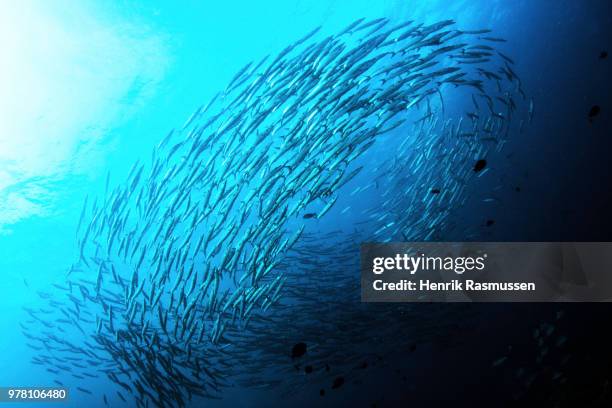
<point x="91" y="86"/>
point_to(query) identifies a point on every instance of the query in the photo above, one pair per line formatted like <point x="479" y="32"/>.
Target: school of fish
<point x="206" y="264"/>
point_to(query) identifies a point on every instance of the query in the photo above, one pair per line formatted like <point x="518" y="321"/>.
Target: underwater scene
<point x="185" y="187"/>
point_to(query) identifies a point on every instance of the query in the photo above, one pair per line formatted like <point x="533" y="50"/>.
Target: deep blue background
<point x="176" y="56"/>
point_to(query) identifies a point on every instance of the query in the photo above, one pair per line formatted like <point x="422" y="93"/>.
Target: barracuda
<point x="205" y="229"/>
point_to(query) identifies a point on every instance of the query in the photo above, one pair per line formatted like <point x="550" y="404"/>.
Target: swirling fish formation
<point x="180" y="265"/>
